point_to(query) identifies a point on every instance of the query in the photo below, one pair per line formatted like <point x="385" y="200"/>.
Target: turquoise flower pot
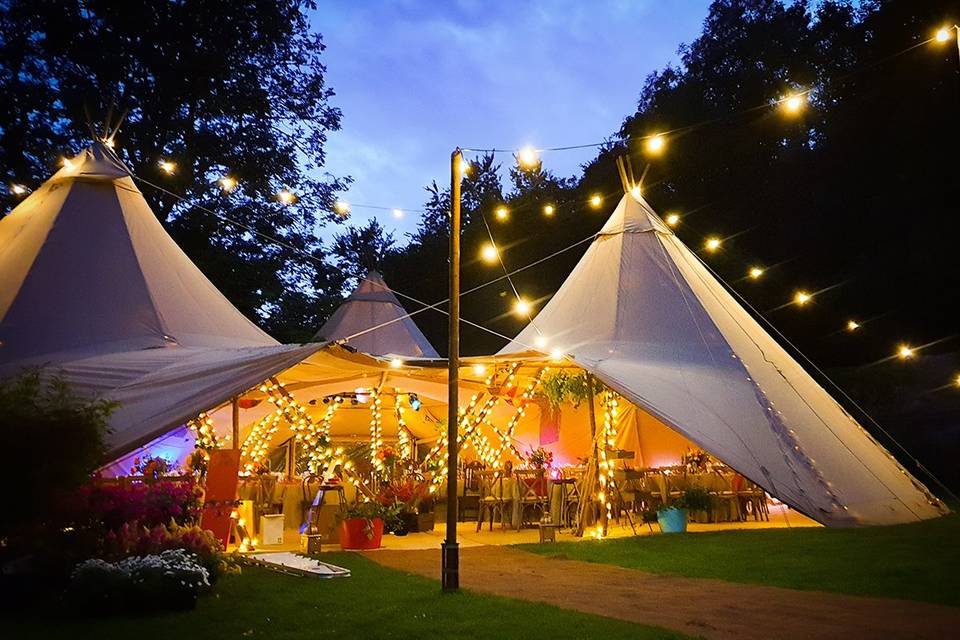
<point x="672" y="520"/>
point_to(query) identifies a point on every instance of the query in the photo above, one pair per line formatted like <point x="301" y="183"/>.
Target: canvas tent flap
<point x="372" y="305"/>
<point x="668" y="336"/>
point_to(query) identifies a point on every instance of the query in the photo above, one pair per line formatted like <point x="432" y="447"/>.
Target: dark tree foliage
<point x="54" y="441"/>
<point x="360" y="250"/>
<point x="220" y="88"/>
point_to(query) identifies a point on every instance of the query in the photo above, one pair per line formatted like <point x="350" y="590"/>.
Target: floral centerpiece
<point x="540" y="458"/>
<point x="414" y="504"/>
<point x="696" y="461"/>
<point x="152" y="467"/>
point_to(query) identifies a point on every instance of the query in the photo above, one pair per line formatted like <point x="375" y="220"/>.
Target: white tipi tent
<point x="94" y="288"/>
<point x="665" y="333"/>
<point x="373" y="304"/>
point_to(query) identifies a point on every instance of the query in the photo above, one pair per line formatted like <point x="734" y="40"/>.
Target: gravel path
<point x="698" y="606"/>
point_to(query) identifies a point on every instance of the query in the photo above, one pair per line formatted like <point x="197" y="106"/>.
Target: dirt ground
<point x="700" y="607"/>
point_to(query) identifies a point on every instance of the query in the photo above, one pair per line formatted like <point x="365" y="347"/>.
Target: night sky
<point x="416" y="79"/>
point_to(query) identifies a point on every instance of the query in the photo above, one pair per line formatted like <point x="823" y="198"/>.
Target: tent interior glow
<point x="135" y="321"/>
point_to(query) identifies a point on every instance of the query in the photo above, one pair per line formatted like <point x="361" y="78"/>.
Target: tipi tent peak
<point x="373" y="321"/>
<point x="667" y="335"/>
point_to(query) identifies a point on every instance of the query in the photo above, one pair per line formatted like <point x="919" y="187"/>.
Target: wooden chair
<point x="469" y="502"/>
<point x="492" y="500"/>
<point x="533" y="495"/>
<point x="571" y="494"/>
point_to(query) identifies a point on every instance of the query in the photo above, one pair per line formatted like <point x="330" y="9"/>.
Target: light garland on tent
<point x="257" y="445"/>
<point x="319" y="451"/>
<point x="506" y="436"/>
<point x="376" y="429"/>
<point x="605" y="474"/>
<point x="205" y="433"/>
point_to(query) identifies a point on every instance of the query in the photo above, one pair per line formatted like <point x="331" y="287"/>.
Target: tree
<point x="363" y="249"/>
<point x="222" y="89"/>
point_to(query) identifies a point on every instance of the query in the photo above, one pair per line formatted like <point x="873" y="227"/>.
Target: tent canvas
<point x="665" y="334"/>
<point x="373" y="321"/>
<point x="94" y="288"/>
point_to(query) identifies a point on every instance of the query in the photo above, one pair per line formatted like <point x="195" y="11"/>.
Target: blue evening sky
<point x="417" y="78"/>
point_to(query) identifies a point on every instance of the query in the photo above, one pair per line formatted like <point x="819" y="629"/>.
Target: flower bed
<point x="170" y="580"/>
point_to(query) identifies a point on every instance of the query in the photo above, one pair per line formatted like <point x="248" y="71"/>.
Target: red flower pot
<point x="361" y="533"/>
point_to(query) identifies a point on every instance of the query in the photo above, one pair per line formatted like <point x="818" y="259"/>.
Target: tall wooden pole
<point x="235" y="434"/>
<point x="602" y="514"/>
<point x="450" y="549"/>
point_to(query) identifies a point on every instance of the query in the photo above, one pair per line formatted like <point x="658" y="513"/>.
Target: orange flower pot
<point x="361" y="533"/>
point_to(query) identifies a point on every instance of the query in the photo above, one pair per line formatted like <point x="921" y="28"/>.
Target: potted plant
<point x="413" y="503"/>
<point x="361" y="526"/>
<point x="672" y="517"/>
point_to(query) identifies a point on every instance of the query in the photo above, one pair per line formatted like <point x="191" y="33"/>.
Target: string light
<point x="548" y="210"/>
<point x="342" y="207"/>
<point x="109" y="142"/>
<point x="228" y="183"/>
<point x="713" y="244"/>
<point x="556" y="355"/>
<point x="398" y="213"/>
<point x="596" y="200"/>
<point x="673" y="219"/>
<point x="540" y="341"/>
<point x="285" y="197"/>
<point x="168" y="167"/>
<point x="655" y="144"/>
<point x="396" y="363"/>
<point x="943" y="34"/>
<point x="527" y="158"/>
<point x="852" y="325"/>
<point x="67" y="164"/>
<point x="956" y="380"/>
<point x="464" y="166"/>
<point x="18" y="189"/>
<point x="502" y="213"/>
<point x="755" y="273"/>
<point x="793" y="103"/>
<point x="635" y="192"/>
<point x="802" y="298"/>
<point x="479" y="369"/>
<point x="905" y="352"/>
<point x="521" y="306"/>
<point x="489" y="253"/>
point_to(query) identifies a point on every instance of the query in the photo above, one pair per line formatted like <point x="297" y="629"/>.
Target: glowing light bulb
<point x="521" y="306"/>
<point x="168" y="167"/>
<point x="756" y="272"/>
<point x="228" y="183"/>
<point x="956" y="380"/>
<point x="502" y="213"/>
<point x="109" y="143"/>
<point x="904" y="352"/>
<point x="479" y="369"/>
<point x="464" y="166"/>
<point x="801" y="298"/>
<point x="540" y="341"/>
<point x="596" y="200"/>
<point x="655" y="144"/>
<point x="673" y="219"/>
<point x="713" y="244"/>
<point x="18" y="189"/>
<point x="342" y="207"/>
<point x="285" y="197"/>
<point x="852" y="325"/>
<point x="489" y="253"/>
<point x="793" y="103"/>
<point x="396" y="363"/>
<point x="635" y="192"/>
<point x="398" y="213"/>
<point x="548" y="210"/>
<point x="527" y="157"/>
<point x="943" y="34"/>
<point x="66" y="163"/>
<point x="556" y="355"/>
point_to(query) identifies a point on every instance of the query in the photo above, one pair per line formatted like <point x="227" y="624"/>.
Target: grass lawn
<point x="919" y="561"/>
<point x="374" y="603"/>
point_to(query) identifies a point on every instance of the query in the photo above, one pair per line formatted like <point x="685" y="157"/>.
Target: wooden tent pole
<point x="235" y="403"/>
